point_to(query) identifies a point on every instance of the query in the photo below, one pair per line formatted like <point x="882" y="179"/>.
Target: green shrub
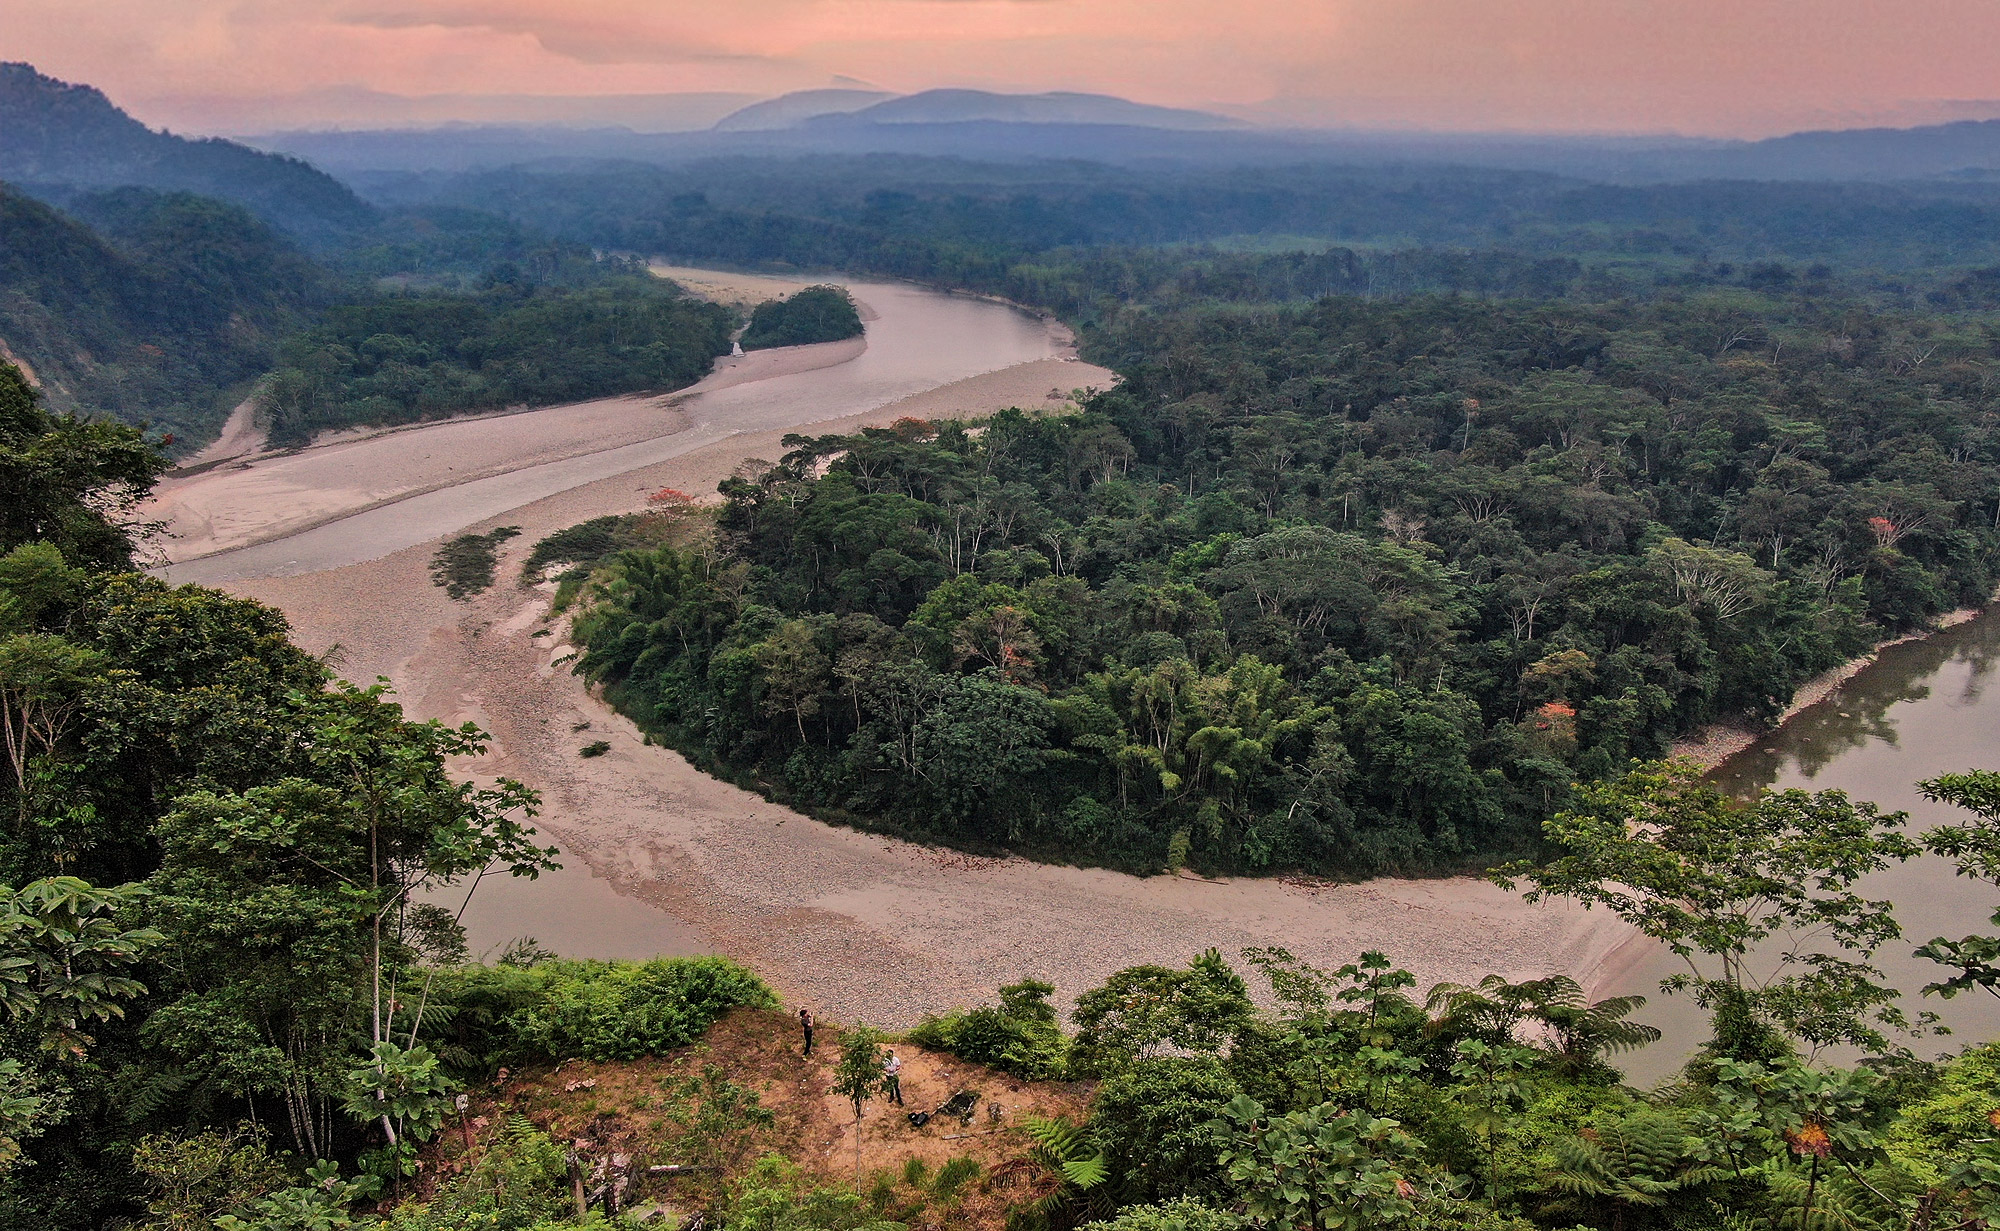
<point x="196" y="1178"/>
<point x="776" y="1195"/>
<point x="954" y="1175"/>
<point x="464" y="565"/>
<point x="519" y="1181"/>
<point x="593" y="1010"/>
<point x="585" y="544"/>
<point x="1931" y="1130"/>
<point x="1019" y="1036"/>
<point x="1153" y="1120"/>
<point x="1184" y="1214"/>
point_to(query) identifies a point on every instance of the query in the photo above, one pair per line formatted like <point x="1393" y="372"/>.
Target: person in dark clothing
<point x="806" y="1028"/>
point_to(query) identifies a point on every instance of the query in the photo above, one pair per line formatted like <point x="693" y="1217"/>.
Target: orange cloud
<point x="1733" y="67"/>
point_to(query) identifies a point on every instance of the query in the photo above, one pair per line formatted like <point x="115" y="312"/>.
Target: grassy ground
<point x="637" y="1109"/>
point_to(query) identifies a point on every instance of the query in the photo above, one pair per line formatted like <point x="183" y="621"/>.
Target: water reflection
<point x="1925" y="708"/>
<point x="1914" y="686"/>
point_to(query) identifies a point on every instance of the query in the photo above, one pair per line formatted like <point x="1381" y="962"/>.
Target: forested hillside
<point x="1354" y="588"/>
<point x="62" y="140"/>
<point x="165" y="312"/>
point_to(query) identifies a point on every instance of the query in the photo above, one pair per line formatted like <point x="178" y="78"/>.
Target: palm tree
<point x="1576" y="1030"/>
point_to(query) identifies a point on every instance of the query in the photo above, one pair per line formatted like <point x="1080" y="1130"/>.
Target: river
<point x="1924" y="708"/>
<point x="918" y="340"/>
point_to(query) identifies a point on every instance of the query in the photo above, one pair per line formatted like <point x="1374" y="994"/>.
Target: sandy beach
<point x="243" y="497"/>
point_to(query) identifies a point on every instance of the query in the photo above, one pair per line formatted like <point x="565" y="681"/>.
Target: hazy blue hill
<point x="788" y="109"/>
<point x="1868" y="153"/>
<point x="161" y="316"/>
<point x="977" y="106"/>
<point x="58" y="140"/>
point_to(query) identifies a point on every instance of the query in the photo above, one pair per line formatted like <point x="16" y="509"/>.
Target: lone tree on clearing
<point x="859" y="1076"/>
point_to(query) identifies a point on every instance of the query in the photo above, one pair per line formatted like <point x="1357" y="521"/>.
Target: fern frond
<point x="1086" y="1173"/>
<point x="154" y="1091"/>
<point x="1058" y="1136"/>
<point x="520" y="1129"/>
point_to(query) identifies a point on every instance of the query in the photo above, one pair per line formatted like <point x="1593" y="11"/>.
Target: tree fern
<point x="1078" y="1189"/>
<point x="1841" y="1201"/>
<point x="154" y="1091"/>
<point x="1635" y="1162"/>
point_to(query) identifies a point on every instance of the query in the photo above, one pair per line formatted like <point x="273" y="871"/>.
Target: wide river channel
<point x="1924" y="708"/>
<point x="919" y="340"/>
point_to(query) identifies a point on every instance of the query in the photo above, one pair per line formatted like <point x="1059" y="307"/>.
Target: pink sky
<point x="1724" y="67"/>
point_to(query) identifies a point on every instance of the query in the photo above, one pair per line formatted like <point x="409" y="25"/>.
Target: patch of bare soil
<point x="625" y="1108"/>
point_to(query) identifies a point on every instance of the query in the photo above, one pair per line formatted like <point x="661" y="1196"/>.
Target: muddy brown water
<point x="573" y="912"/>
<point x="1924" y="708"/>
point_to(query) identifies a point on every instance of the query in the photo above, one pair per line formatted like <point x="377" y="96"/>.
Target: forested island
<point x="815" y="314"/>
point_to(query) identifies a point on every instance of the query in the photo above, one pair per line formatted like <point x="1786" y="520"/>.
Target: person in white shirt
<point x="892" y="1079"/>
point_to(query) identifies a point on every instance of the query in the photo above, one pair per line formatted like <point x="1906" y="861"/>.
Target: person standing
<point x="806" y="1029"/>
<point x="892" y="1078"/>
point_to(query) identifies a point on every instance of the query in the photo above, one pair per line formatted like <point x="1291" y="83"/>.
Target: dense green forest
<point x="227" y="1006"/>
<point x="520" y="341"/>
<point x="967" y="224"/>
<point x="815" y="314"/>
<point x="1353" y="588"/>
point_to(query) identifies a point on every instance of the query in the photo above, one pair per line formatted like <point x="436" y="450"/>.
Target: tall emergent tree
<point x="1757" y="899"/>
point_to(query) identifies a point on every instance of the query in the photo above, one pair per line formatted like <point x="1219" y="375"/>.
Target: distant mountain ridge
<point x="985" y="107"/>
<point x="59" y="139"/>
<point x="788" y="110"/>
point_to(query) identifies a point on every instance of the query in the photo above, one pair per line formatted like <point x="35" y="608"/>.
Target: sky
<point x="1697" y="67"/>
